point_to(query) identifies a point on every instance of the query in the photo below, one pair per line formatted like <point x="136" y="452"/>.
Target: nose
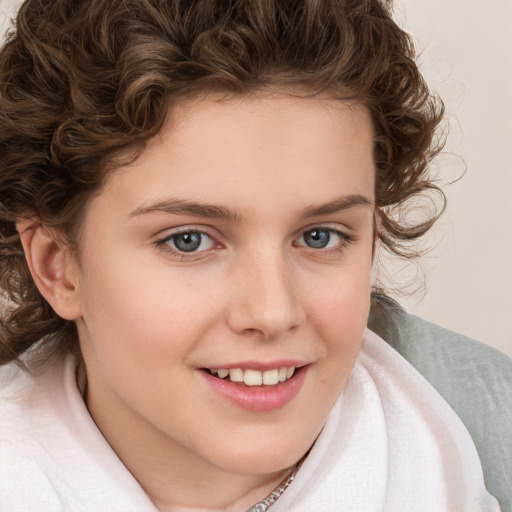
<point x="266" y="301"/>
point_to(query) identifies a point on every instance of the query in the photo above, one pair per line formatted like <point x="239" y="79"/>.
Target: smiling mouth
<point x="254" y="377"/>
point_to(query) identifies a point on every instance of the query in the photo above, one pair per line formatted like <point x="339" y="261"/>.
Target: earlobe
<point x="52" y="268"/>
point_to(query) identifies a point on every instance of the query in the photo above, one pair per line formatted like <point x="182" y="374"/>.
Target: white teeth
<point x="256" y="377"/>
<point x="253" y="378"/>
<point x="271" y="377"/>
<point x="236" y="375"/>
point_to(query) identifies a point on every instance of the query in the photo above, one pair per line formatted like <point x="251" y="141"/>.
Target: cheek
<point x="338" y="314"/>
<point x="144" y="308"/>
<point x="339" y="309"/>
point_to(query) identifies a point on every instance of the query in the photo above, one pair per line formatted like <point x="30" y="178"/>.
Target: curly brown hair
<point x="82" y="80"/>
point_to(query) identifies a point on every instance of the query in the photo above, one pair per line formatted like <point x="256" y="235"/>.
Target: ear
<point x="52" y="267"/>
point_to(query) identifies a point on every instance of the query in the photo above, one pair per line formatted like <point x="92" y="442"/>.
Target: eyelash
<point x="345" y="240"/>
<point x="163" y="244"/>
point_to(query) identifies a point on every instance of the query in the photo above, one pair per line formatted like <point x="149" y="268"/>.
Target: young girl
<point x="191" y="196"/>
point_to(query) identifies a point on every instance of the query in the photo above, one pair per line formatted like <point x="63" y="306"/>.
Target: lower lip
<point x="258" y="398"/>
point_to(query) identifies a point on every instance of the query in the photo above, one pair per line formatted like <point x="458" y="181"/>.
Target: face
<point x="237" y="247"/>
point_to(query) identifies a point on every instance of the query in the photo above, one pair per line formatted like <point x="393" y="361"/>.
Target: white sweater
<point x="391" y="443"/>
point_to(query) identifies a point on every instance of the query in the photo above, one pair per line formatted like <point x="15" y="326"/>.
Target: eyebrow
<point x="181" y="207"/>
<point x="343" y="203"/>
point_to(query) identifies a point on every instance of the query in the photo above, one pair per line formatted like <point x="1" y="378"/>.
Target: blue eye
<point x="327" y="241"/>
<point x="317" y="238"/>
<point x="189" y="241"/>
<point x="320" y="238"/>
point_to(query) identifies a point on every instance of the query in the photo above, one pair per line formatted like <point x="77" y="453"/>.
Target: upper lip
<point x="259" y="365"/>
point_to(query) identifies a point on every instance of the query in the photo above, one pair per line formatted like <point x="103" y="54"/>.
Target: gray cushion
<point x="475" y="379"/>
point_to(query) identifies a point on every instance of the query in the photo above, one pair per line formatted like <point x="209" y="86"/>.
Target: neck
<point x="253" y="498"/>
<point x="174" y="480"/>
<point x="221" y="492"/>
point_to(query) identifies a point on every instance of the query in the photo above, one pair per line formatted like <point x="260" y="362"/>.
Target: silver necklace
<point x="265" y="504"/>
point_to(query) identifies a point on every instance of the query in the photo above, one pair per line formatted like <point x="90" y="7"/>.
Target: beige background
<point x="467" y="58"/>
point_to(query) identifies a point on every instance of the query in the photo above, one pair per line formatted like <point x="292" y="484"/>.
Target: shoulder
<point x="16" y="387"/>
<point x="20" y="460"/>
<point x="36" y="437"/>
<point x="48" y="438"/>
<point x="25" y="395"/>
<point x="475" y="380"/>
<point x="445" y="358"/>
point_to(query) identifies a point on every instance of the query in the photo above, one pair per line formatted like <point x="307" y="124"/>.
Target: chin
<point x="262" y="459"/>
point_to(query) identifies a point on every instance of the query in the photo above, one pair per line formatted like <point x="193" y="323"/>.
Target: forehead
<point x="241" y="148"/>
<point x="257" y="118"/>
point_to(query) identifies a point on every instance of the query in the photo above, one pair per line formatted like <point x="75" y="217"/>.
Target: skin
<point x="149" y="317"/>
